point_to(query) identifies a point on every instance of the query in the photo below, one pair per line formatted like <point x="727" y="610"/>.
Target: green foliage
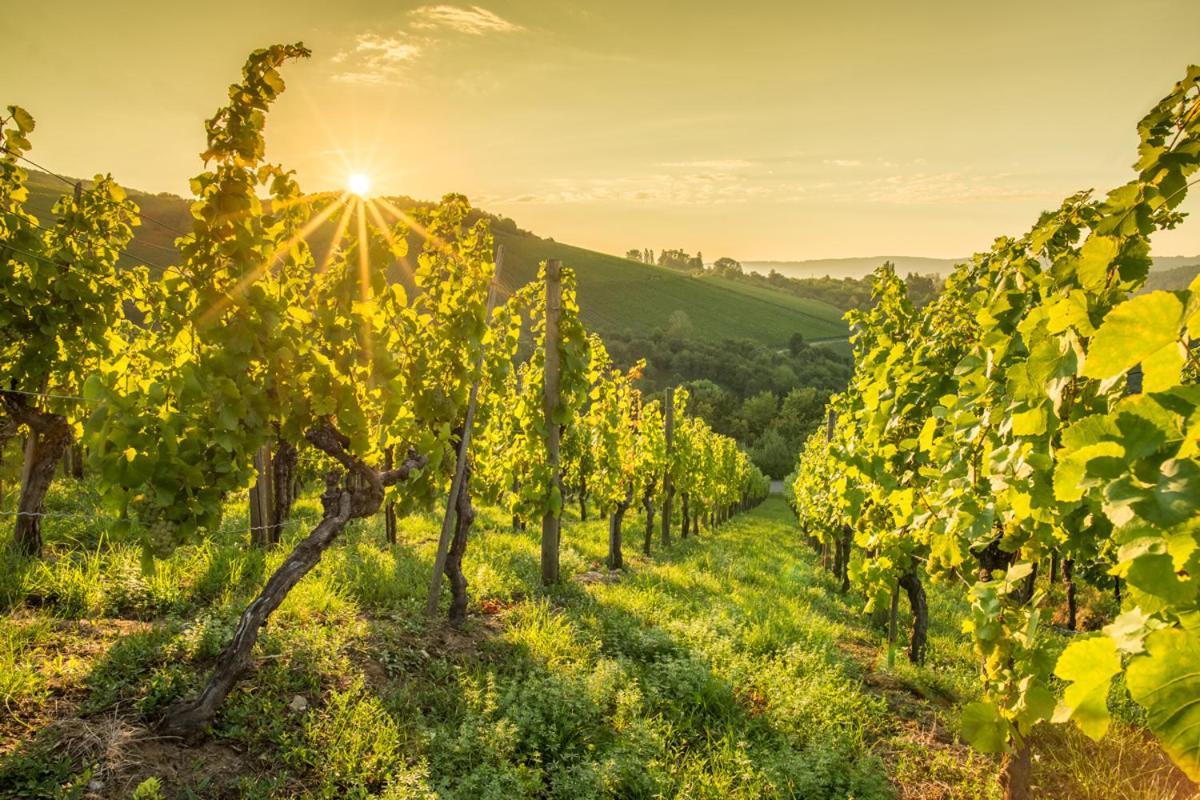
<point x="149" y="789"/>
<point x="994" y="425"/>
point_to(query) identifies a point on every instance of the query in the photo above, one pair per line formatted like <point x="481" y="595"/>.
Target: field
<point x="727" y="666"/>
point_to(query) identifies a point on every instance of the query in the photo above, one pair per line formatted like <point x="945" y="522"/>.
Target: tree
<point x="773" y="454"/>
<point x="758" y="411"/>
<point x="633" y="254"/>
<point x="679" y="325"/>
<point x="675" y="259"/>
<point x="800" y="414"/>
<point x="727" y="267"/>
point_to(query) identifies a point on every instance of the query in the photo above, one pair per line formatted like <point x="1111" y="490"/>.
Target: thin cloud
<point x="377" y="59"/>
<point x="662" y="189"/>
<point x="473" y="20"/>
<point x="843" y="162"/>
<point x="716" y="164"/>
<point x="921" y="188"/>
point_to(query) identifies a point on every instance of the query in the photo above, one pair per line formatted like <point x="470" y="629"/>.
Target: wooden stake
<point x="389" y="512"/>
<point x="668" y="489"/>
<point x="550" y="402"/>
<point x="892" y="625"/>
<point x="460" y="464"/>
<point x="262" y="499"/>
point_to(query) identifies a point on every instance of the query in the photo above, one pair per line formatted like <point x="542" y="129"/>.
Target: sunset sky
<point x="759" y="130"/>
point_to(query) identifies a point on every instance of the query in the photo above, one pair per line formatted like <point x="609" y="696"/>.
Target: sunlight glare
<point x="358" y="184"/>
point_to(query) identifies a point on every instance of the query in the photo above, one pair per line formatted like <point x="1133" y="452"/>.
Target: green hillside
<point x="619" y="296"/>
<point x="616" y="295"/>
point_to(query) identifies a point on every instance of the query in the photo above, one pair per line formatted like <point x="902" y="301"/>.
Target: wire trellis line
<point x="46" y="395"/>
<point x="72" y="184"/>
<point x="219" y="531"/>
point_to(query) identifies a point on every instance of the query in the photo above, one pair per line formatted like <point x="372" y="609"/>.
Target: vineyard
<point x="249" y="364"/>
<point x="1036" y="421"/>
<point x="281" y="526"/>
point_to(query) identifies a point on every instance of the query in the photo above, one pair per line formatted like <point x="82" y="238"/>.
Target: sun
<point x="358" y="184"/>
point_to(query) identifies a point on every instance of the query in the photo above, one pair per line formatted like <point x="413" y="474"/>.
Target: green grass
<point x="725" y="667"/>
<point x="622" y="296"/>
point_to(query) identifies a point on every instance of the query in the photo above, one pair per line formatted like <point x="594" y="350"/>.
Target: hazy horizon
<point x="922" y="131"/>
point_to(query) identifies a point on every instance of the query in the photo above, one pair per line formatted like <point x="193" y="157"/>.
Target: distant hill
<point x="616" y="295"/>
<point x="1173" y="279"/>
<point x="852" y="267"/>
<point x="863" y="266"/>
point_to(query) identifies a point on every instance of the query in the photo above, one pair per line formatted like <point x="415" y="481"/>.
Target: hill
<point x="857" y="267"/>
<point x="860" y="267"/>
<point x="622" y="296"/>
<point x="1174" y="279"/>
<point x="616" y="295"/>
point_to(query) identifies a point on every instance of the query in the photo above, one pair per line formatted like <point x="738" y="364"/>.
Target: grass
<point x="726" y="667"/>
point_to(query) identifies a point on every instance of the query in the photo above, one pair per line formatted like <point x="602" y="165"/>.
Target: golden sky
<point x="759" y="130"/>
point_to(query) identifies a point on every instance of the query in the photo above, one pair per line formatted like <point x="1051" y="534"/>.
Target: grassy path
<point x="725" y="667"/>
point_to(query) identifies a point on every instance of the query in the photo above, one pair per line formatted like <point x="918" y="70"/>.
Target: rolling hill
<point x="616" y="295"/>
<point x="857" y="267"/>
<point x="860" y="267"/>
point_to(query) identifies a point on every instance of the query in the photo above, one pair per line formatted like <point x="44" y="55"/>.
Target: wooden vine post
<point x="460" y="463"/>
<point x="389" y="511"/>
<point x="891" y="657"/>
<point x="550" y="403"/>
<point x="668" y="488"/>
<point x="262" y="500"/>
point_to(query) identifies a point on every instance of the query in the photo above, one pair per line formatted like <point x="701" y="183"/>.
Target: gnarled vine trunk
<point x="356" y="493"/>
<point x="841" y="557"/>
<point x="517" y="525"/>
<point x="1069" y="579"/>
<point x="683" y="499"/>
<point x="992" y="559"/>
<point x="1015" y="772"/>
<point x="49" y="438"/>
<point x="583" y="498"/>
<point x="615" y="558"/>
<point x="464" y="517"/>
<point x="648" y="504"/>
<point x="1030" y="585"/>
<point x="910" y="582"/>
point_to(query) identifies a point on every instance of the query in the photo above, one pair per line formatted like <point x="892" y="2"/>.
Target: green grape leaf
<point x="1128" y="631"/>
<point x="1072" y="467"/>
<point x="983" y="727"/>
<point x="1089" y="666"/>
<point x="1136" y="331"/>
<point x="1166" y="682"/>
<point x="1095" y="257"/>
<point x="1029" y="423"/>
<point x="1177" y="492"/>
<point x="23" y="118"/>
